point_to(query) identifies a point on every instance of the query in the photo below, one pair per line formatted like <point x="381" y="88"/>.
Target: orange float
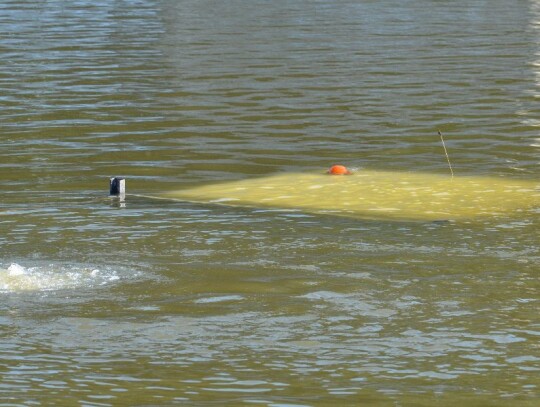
<point x="338" y="170"/>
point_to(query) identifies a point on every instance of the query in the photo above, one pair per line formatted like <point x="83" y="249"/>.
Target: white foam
<point x="53" y="277"/>
<point x="222" y="298"/>
<point x="15" y="270"/>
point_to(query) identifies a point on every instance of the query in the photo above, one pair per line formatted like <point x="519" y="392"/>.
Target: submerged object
<point x="374" y="194"/>
<point x="338" y="169"/>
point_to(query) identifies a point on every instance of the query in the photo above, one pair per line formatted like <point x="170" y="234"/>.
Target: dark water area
<point x="156" y="302"/>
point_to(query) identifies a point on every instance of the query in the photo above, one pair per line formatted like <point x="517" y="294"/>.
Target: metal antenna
<point x="446" y="153"/>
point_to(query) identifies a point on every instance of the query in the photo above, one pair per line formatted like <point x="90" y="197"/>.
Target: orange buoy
<point x="338" y="170"/>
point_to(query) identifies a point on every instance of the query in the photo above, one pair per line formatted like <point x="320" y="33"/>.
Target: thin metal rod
<point x="446" y="153"/>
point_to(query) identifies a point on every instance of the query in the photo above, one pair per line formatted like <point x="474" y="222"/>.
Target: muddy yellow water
<point x="264" y="281"/>
<point x="377" y="194"/>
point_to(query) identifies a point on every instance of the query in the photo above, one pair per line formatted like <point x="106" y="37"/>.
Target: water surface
<point x="160" y="302"/>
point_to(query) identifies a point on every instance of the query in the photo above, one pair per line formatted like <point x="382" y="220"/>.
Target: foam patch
<point x="16" y="278"/>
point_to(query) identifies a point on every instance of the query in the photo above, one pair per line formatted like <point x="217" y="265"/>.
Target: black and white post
<point x="117" y="187"/>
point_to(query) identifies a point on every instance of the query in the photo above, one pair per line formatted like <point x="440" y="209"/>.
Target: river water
<point x="161" y="302"/>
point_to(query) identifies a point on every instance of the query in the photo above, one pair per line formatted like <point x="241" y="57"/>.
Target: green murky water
<point x="193" y="302"/>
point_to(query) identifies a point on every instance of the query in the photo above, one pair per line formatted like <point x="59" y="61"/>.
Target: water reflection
<point x="197" y="302"/>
